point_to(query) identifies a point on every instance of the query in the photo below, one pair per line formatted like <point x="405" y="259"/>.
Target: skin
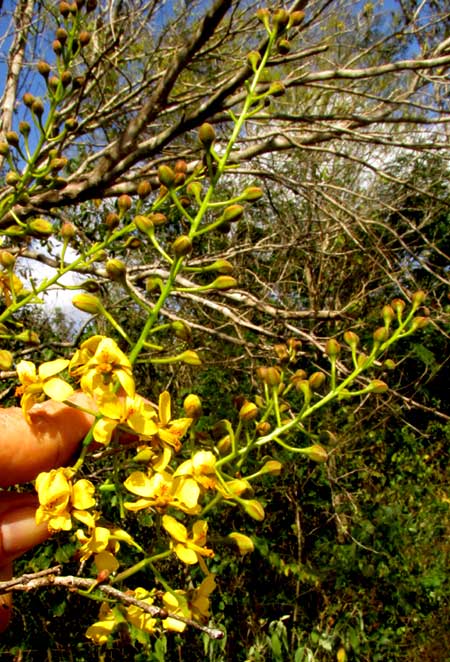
<point x="49" y="442"/>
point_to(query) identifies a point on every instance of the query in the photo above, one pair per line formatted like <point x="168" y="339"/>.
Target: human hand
<point x="55" y="432"/>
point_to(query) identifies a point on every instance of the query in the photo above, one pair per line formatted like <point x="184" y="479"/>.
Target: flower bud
<point x="332" y="348"/>
<point x="269" y="375"/>
<point x="66" y="78"/>
<point x="272" y="467"/>
<point x="388" y="314"/>
<point x="398" y="305"/>
<point x="253" y="508"/>
<point x="64" y="9"/>
<point x="190" y="357"/>
<point x="143" y="223"/>
<point x="316" y="453"/>
<point x="68" y="230"/>
<point x="124" y="203"/>
<point x="418" y="298"/>
<point x="158" y="218"/>
<point x="254" y="59"/>
<point x="351" y="338"/>
<point x="181" y="166"/>
<point x="419" y="322"/>
<point x="194" y="189"/>
<point x="61" y="35"/>
<point x="304" y="387"/>
<point x="378" y="386"/>
<point x="7" y="259"/>
<point x="224" y="445"/>
<point x="284" y="46"/>
<point x="206" y="134"/>
<point x="41" y="226"/>
<point x="71" y="124"/>
<point x="58" y="163"/>
<point x="4" y="149"/>
<point x="38" y="107"/>
<point x="28" y="99"/>
<point x="281" y="351"/>
<point x="112" y="220"/>
<point x="277" y="89"/>
<point x="166" y="176"/>
<point x="182" y="246"/>
<point x="152" y="284"/>
<point x="84" y="37"/>
<point x="28" y="336"/>
<point x="296" y="17"/>
<point x="248" y="412"/>
<point x="389" y="364"/>
<point x="263" y="427"/>
<point x="24" y="128"/>
<point x="224" y="283"/>
<point x="281" y="18"/>
<point x="381" y="334"/>
<point x="43" y="68"/>
<point x="233" y="213"/>
<point x="244" y="543"/>
<point x="12" y="138"/>
<point x="298" y="375"/>
<point x="144" y="189"/>
<point x="222" y="266"/>
<point x="88" y="303"/>
<point x="115" y="269"/>
<point x="90" y="285"/>
<point x="57" y="47"/>
<point x="181" y="330"/>
<point x="192" y="406"/>
<point x="252" y="193"/>
<point x="12" y="179"/>
<point x="6" y="359"/>
<point x="316" y="380"/>
<point x="180" y="178"/>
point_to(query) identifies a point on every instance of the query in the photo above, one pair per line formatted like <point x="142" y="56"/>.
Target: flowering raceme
<point x="162" y="490"/>
<point x="60" y="499"/>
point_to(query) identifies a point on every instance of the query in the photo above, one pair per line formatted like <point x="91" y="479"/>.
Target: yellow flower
<point x="100" y="631"/>
<point x="134" y="412"/>
<point x="36" y="385"/>
<point x="170" y="432"/>
<point x="137" y="616"/>
<point x="199" y="601"/>
<point x="193" y="604"/>
<point x="162" y="490"/>
<point x="176" y="603"/>
<point x="101" y="365"/>
<point x="201" y="467"/>
<point x="188" y="550"/>
<point x="59" y="499"/>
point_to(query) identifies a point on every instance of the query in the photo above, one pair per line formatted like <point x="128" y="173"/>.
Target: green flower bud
<point x="182" y="246"/>
<point x="381" y="334"/>
<point x="7" y="259"/>
<point x="166" y="176"/>
<point x="192" y="405"/>
<point x="181" y="330"/>
<point x="206" y="134"/>
<point x="28" y="336"/>
<point x="24" y="128"/>
<point x="6" y="359"/>
<point x="144" y="189"/>
<point x="418" y="298"/>
<point x="253" y="508"/>
<point x="190" y="357"/>
<point x="143" y="223"/>
<point x="388" y="314"/>
<point x="272" y="467"/>
<point x="316" y="380"/>
<point x="194" y="189"/>
<point x="252" y="193"/>
<point x="281" y="18"/>
<point x="284" y="46"/>
<point x="254" y="59"/>
<point x="244" y="543"/>
<point x="4" y="149"/>
<point x="88" y="303"/>
<point x="277" y="89"/>
<point x="332" y="348"/>
<point x="115" y="269"/>
<point x="316" y="453"/>
<point x="222" y="266"/>
<point x="351" y="338"/>
<point x="41" y="226"/>
<point x="12" y="179"/>
<point x="152" y="284"/>
<point x="378" y="386"/>
<point x="233" y="213"/>
<point x="419" y="322"/>
<point x="248" y="412"/>
<point x="296" y="17"/>
<point x="389" y="364"/>
<point x="224" y="283"/>
<point x="398" y="305"/>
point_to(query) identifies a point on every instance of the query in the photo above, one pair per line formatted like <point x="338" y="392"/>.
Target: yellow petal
<point x="88" y="519"/>
<point x="188" y="492"/>
<point x="52" y="368"/>
<point x="174" y="528"/>
<point x="106" y="561"/>
<point x="83" y="494"/>
<point x="186" y="554"/>
<point x="164" y="408"/>
<point x="100" y="631"/>
<point x="139" y="483"/>
<point x="103" y="430"/>
<point x="26" y="372"/>
<point x="126" y="381"/>
<point x="57" y="389"/>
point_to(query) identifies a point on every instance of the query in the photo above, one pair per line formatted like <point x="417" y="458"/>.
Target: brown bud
<point x="12" y="179"/>
<point x="61" y="35"/>
<point x="24" y="128"/>
<point x="181" y="166"/>
<point x="115" y="269"/>
<point x="64" y="9"/>
<point x="84" y="37"/>
<point x="296" y="17"/>
<point x="112" y="220"/>
<point x="158" y="218"/>
<point x="91" y="5"/>
<point x="12" y="138"/>
<point x="283" y="46"/>
<point x="124" y="202"/>
<point x="53" y="83"/>
<point x="398" y="305"/>
<point x="71" y="124"/>
<point x="28" y="99"/>
<point x="4" y="149"/>
<point x="66" y="78"/>
<point x="332" y="348"/>
<point x="248" y="412"/>
<point x="381" y="334"/>
<point x="143" y="223"/>
<point x="262" y="428"/>
<point x="206" y="134"/>
<point x="43" y="68"/>
<point x="68" y="230"/>
<point x="166" y="176"/>
<point x="144" y="189"/>
<point x="419" y="322"/>
<point x="351" y="338"/>
<point x="281" y="17"/>
<point x="316" y="380"/>
<point x="58" y="163"/>
<point x="38" y="107"/>
<point x="57" y="47"/>
<point x="270" y="375"/>
<point x="180" y="178"/>
<point x="182" y="246"/>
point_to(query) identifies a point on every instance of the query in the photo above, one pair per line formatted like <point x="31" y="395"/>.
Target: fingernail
<point x="19" y="530"/>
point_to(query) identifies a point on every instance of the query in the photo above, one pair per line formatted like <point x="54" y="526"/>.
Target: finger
<point x="49" y="442"/>
<point x="18" y="529"/>
<point x="6" y="598"/>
